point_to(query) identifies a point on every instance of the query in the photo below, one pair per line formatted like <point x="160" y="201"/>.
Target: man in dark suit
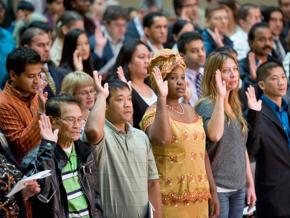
<point x="107" y="41"/>
<point x="135" y="25"/>
<point x="274" y="17"/>
<point x="39" y="41"/>
<point x="269" y="141"/>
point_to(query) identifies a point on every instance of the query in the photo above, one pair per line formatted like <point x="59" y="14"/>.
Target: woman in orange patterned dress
<point x="178" y="139"/>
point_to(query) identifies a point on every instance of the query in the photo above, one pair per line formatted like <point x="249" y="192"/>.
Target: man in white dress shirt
<point x="191" y="47"/>
<point x="248" y="15"/>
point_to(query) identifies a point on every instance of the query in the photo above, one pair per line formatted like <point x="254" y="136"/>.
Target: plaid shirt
<point x="19" y="121"/>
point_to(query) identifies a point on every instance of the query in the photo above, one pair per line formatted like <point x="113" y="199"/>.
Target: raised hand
<point x="46" y="131"/>
<point x="253" y="104"/>
<point x="78" y="60"/>
<point x="187" y="95"/>
<point x="42" y="99"/>
<point x="217" y="38"/>
<point x="252" y="65"/>
<point x="43" y="82"/>
<point x="121" y="76"/>
<point x="161" y="85"/>
<point x="220" y="84"/>
<point x="104" y="90"/>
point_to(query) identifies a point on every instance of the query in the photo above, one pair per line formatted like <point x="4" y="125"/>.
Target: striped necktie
<point x="49" y="80"/>
<point x="198" y="81"/>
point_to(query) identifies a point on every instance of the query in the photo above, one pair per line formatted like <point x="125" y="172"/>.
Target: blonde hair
<point x="209" y="90"/>
<point x="166" y="60"/>
<point x="74" y="81"/>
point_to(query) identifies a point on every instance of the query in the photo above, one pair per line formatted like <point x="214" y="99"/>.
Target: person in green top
<point x="71" y="190"/>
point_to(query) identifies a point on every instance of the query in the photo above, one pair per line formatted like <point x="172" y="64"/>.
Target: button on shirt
<point x="281" y="113"/>
<point x="125" y="164"/>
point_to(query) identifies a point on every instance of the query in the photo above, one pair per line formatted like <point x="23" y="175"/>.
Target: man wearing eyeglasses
<point x="71" y="190"/>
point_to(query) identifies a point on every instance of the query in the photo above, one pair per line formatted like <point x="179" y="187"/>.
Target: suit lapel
<point x="270" y="114"/>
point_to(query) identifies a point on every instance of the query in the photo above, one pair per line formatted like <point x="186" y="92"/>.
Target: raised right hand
<point x="78" y="60"/>
<point x="253" y="104"/>
<point x="46" y="131"/>
<point x="121" y="76"/>
<point x="220" y="84"/>
<point x="104" y="90"/>
<point x="162" y="86"/>
<point x="252" y="65"/>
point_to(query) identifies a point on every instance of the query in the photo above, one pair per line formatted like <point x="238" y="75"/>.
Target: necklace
<point x="176" y="111"/>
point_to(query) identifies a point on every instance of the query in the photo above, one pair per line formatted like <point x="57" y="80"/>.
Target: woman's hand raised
<point x="162" y="86"/>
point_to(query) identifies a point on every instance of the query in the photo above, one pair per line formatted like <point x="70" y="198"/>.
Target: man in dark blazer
<point x="275" y="19"/>
<point x="39" y="41"/>
<point x="269" y="141"/>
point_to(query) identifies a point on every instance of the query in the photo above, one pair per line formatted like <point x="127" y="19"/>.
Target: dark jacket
<point x="209" y="43"/>
<point x="268" y="144"/>
<point x="107" y="55"/>
<point x="247" y="81"/>
<point x="52" y="201"/>
<point x="57" y="76"/>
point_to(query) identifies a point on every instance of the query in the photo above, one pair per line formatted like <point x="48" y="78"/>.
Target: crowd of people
<point x="144" y="112"/>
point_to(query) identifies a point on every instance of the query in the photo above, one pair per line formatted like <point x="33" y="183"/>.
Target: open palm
<point x="220" y="84"/>
<point x="161" y="85"/>
<point x="252" y="100"/>
<point x="46" y="129"/>
<point x="98" y="83"/>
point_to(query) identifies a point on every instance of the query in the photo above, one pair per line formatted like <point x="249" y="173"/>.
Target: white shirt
<point x="241" y="45"/>
<point x="139" y="26"/>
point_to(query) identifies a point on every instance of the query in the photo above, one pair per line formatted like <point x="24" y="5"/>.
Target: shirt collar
<point x="12" y="91"/>
<point x="116" y="130"/>
<point x="273" y="105"/>
<point x="109" y="38"/>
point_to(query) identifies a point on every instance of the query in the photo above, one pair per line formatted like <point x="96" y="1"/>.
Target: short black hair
<point x="267" y="12"/>
<point x="115" y="12"/>
<point x="178" y="25"/>
<point x="53" y="105"/>
<point x="177" y="5"/>
<point x="25" y="5"/>
<point x="186" y="38"/>
<point x="148" y="19"/>
<point x="19" y="58"/>
<point x="115" y="84"/>
<point x="264" y="70"/>
<point x="254" y="28"/>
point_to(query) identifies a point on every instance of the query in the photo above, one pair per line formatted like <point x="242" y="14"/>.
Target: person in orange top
<point x="20" y="103"/>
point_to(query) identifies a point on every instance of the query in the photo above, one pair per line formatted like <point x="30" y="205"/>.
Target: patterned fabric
<point x="181" y="166"/>
<point x="198" y="81"/>
<point x="77" y="202"/>
<point x="9" y="176"/>
<point x="166" y="60"/>
<point x="19" y="121"/>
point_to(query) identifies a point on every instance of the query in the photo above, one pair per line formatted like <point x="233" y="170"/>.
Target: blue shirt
<point x="281" y="113"/>
<point x="7" y="44"/>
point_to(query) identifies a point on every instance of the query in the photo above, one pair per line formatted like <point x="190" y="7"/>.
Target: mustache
<point x="267" y="47"/>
